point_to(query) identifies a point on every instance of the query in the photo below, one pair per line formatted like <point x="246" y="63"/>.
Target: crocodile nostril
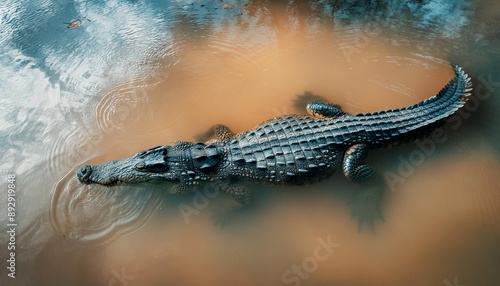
<point x="84" y="173"/>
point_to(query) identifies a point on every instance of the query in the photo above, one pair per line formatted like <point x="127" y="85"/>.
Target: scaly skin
<point x="290" y="149"/>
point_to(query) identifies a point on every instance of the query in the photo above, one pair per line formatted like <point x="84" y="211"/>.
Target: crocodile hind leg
<point x="242" y="197"/>
<point x="366" y="205"/>
<point x="319" y="109"/>
<point x="302" y="100"/>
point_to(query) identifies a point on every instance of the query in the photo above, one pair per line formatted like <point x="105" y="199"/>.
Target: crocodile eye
<point x="140" y="166"/>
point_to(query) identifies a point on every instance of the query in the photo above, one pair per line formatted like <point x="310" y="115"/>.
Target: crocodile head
<point x="162" y="162"/>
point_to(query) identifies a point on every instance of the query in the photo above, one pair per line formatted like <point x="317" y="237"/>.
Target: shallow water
<point x="146" y="73"/>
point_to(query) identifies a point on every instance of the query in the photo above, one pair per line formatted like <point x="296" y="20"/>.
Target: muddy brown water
<point x="441" y="209"/>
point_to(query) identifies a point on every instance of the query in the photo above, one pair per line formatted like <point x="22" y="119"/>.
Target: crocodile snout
<point x="84" y="174"/>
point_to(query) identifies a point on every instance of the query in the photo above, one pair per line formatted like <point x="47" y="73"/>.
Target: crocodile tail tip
<point x="460" y="73"/>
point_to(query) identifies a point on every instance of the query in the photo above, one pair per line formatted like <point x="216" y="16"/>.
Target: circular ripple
<point x="124" y="104"/>
<point x="93" y="215"/>
<point x="73" y="143"/>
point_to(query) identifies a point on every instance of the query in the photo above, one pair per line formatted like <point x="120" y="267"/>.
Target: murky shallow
<point x="173" y="70"/>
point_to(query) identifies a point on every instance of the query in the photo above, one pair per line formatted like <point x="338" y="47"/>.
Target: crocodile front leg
<point x="366" y="205"/>
<point x="221" y="133"/>
<point x="242" y="197"/>
<point x="181" y="188"/>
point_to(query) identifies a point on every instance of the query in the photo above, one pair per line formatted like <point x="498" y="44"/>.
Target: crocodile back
<point x="297" y="149"/>
<point x="287" y="149"/>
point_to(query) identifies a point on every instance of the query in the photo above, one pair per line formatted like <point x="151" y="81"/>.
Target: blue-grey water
<point x="138" y="73"/>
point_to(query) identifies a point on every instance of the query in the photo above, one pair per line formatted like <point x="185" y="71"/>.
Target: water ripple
<point x="94" y="215"/>
<point x="124" y="104"/>
<point x="244" y="53"/>
<point x="70" y="147"/>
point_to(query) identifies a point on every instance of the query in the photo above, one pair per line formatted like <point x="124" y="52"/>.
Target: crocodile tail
<point x="425" y="116"/>
<point x="415" y="121"/>
<point x="448" y="100"/>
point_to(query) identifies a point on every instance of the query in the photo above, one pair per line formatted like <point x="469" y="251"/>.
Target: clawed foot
<point x="366" y="208"/>
<point x="222" y="218"/>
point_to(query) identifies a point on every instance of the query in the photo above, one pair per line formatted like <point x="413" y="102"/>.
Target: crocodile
<point x="291" y="149"/>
